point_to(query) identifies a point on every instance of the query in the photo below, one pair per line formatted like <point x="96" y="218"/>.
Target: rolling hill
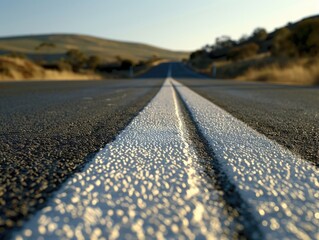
<point x="54" y="46"/>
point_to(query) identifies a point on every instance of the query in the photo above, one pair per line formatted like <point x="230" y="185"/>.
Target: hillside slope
<point x="288" y="55"/>
<point x="53" y="47"/>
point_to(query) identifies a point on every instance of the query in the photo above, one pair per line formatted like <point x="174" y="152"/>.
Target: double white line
<point x="149" y="182"/>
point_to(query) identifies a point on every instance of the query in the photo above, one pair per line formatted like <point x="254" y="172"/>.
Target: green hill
<point x="53" y="47"/>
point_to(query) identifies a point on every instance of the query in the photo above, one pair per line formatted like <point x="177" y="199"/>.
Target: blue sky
<point x="173" y="24"/>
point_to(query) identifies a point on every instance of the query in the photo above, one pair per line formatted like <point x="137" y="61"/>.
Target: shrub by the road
<point x="306" y="37"/>
<point x="301" y="41"/>
<point x="243" y="52"/>
<point x="93" y="62"/>
<point x="76" y="59"/>
<point x="282" y="44"/>
<point x="259" y="35"/>
<point x="63" y="65"/>
<point x="126" y="64"/>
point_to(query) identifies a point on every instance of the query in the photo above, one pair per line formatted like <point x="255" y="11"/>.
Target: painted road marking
<point x="148" y="183"/>
<point x="281" y="188"/>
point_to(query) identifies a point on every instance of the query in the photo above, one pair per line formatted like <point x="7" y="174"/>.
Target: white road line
<point x="281" y="188"/>
<point x="148" y="183"/>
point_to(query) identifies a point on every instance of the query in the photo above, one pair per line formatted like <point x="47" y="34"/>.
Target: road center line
<point x="148" y="183"/>
<point x="281" y="188"/>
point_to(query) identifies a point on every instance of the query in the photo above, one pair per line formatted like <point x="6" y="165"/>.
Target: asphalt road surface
<point x="287" y="114"/>
<point x="219" y="164"/>
<point x="49" y="130"/>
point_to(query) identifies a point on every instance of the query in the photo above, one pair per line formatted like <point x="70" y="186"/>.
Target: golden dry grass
<point x="299" y="72"/>
<point x="263" y="67"/>
<point x="16" y="69"/>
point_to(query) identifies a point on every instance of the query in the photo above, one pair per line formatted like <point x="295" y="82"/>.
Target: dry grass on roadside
<point x="299" y="72"/>
<point x="264" y="68"/>
<point x="18" y="69"/>
<point x="227" y="69"/>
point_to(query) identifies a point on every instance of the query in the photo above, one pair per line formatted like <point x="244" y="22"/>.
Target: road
<point x="49" y="130"/>
<point x="182" y="166"/>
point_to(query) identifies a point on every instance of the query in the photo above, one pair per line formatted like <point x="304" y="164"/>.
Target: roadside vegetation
<point x="288" y="55"/>
<point x="74" y="65"/>
<point x="15" y="68"/>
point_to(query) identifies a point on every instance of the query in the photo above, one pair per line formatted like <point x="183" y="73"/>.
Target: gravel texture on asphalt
<point x="147" y="184"/>
<point x="287" y="114"/>
<point x="49" y="130"/>
<point x="243" y="224"/>
<point x="280" y="189"/>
